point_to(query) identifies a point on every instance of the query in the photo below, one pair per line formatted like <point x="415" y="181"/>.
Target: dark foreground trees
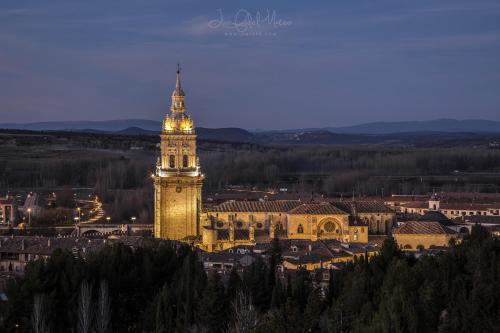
<point x="163" y="288"/>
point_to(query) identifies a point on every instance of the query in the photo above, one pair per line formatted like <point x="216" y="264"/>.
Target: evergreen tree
<point x="212" y="305"/>
<point x="164" y="321"/>
<point x="313" y="311"/>
<point x="234" y="284"/>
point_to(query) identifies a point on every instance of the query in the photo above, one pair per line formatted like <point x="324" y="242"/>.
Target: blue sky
<point x="312" y="64"/>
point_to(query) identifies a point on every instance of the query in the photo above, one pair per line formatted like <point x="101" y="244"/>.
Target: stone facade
<point x="178" y="180"/>
<point x="287" y="219"/>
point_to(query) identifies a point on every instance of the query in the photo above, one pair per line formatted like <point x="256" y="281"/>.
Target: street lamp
<point x="108" y="218"/>
<point x="133" y="218"/>
<point x="29" y="216"/>
<point x="79" y="213"/>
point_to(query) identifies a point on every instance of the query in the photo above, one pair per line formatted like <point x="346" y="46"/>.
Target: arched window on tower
<point x="300" y="229"/>
<point x="171" y="161"/>
<point x="185" y="161"/>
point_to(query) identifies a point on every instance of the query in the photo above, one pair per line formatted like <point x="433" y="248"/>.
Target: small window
<point x="171" y="161"/>
<point x="300" y="229"/>
<point x="185" y="161"/>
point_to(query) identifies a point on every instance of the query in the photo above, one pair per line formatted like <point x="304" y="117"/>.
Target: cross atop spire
<point x="178" y="90"/>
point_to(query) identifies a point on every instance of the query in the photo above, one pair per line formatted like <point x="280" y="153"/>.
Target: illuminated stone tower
<point x="178" y="179"/>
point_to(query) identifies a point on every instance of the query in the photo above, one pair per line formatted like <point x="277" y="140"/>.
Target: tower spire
<point x="178" y="81"/>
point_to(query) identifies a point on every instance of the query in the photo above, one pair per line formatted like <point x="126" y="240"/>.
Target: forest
<point x="118" y="168"/>
<point x="162" y="287"/>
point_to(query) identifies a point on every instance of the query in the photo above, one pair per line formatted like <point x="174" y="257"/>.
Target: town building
<point x="420" y="235"/>
<point x="17" y="251"/>
<point x="7" y="211"/>
<point x="452" y="205"/>
<point x="234" y="223"/>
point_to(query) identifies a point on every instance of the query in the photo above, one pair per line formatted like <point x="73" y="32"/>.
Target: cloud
<point x="19" y="12"/>
<point x="464" y="41"/>
<point x="487" y="7"/>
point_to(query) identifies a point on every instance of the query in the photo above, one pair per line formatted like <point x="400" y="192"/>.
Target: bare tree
<point x="245" y="316"/>
<point x="103" y="308"/>
<point x="39" y="315"/>
<point x="84" y="308"/>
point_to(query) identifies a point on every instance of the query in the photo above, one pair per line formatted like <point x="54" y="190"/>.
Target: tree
<point x="103" y="320"/>
<point x="245" y="316"/>
<point x="85" y="308"/>
<point x="313" y="311"/>
<point x="39" y="317"/>
<point x="164" y="312"/>
<point x="234" y="284"/>
<point x="211" y="314"/>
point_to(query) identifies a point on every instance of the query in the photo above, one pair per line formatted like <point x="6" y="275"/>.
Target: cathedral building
<point x="178" y="179"/>
<point x="179" y="215"/>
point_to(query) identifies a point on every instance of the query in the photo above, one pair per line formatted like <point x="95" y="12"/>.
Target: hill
<point x="437" y="125"/>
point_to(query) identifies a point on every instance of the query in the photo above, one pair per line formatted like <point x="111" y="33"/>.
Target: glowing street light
<point x="108" y="218"/>
<point x="133" y="218"/>
<point x="29" y="216"/>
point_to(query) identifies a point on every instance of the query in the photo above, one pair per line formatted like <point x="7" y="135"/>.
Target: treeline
<point x="330" y="170"/>
<point x="366" y="170"/>
<point x="117" y="173"/>
<point x="163" y="288"/>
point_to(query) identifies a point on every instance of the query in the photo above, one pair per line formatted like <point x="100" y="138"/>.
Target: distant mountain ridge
<point x="437" y="125"/>
<point x="104" y="125"/>
<point x="380" y="132"/>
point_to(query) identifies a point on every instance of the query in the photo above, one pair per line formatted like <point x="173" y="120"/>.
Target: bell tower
<point x="177" y="179"/>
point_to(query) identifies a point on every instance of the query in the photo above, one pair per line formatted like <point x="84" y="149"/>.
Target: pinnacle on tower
<point x="178" y="90"/>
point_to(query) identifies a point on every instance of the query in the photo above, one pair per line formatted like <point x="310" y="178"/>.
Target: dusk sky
<point x="310" y="64"/>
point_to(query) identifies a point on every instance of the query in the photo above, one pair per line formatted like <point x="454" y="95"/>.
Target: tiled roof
<point x="467" y="206"/>
<point x="47" y="245"/>
<point x="224" y="257"/>
<point x="278" y="206"/>
<point x="362" y="206"/>
<point x="486" y="219"/>
<point x="423" y="228"/>
<point x="324" y="208"/>
<point x="435" y="216"/>
<point x="416" y="204"/>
